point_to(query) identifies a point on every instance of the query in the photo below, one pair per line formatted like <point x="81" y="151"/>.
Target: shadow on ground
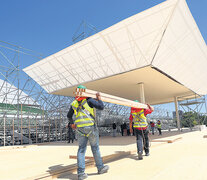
<point x="69" y="172"/>
<point x="72" y="176"/>
<point x="120" y="140"/>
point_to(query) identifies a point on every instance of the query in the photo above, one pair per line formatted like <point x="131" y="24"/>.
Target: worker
<point x="152" y="125"/>
<point x="71" y="134"/>
<point x="84" y="123"/>
<point x="138" y="116"/>
<point x="114" y="129"/>
<point x="159" y="126"/>
<point x="125" y="129"/>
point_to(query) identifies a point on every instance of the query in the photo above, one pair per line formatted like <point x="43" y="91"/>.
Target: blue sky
<point x="47" y="26"/>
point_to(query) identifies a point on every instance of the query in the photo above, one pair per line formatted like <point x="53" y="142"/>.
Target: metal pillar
<point x="60" y="126"/>
<point x="13" y="132"/>
<point x="141" y="91"/>
<point x="29" y="128"/>
<point x="49" y="129"/>
<point x="177" y="113"/>
<point x="21" y="125"/>
<point x="43" y="116"/>
<point x="36" y="128"/>
<point x="4" y="131"/>
<point x="56" y="129"/>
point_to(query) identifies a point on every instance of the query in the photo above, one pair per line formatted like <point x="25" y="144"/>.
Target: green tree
<point x="189" y="119"/>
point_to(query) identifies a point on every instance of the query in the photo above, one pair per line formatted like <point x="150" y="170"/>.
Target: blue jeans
<point x="94" y="142"/>
<point x="153" y="130"/>
<point x="142" y="138"/>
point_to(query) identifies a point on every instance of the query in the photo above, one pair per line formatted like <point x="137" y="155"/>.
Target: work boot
<point x="82" y="176"/>
<point x="140" y="157"/>
<point x="147" y="153"/>
<point x="103" y="170"/>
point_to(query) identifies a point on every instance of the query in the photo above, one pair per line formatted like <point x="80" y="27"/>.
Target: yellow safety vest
<point x="159" y="125"/>
<point x="84" y="114"/>
<point x="139" y="119"/>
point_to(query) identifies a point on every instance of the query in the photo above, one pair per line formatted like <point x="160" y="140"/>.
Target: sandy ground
<point x="183" y="159"/>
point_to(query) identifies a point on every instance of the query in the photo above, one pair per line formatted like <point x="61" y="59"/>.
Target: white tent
<point x="9" y="95"/>
<point x="161" y="48"/>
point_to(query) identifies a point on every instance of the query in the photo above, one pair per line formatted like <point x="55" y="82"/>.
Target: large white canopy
<point x="161" y="47"/>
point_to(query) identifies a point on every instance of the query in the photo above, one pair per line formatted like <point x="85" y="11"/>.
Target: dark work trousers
<point x="160" y="132"/>
<point x="142" y="138"/>
<point x="71" y="135"/>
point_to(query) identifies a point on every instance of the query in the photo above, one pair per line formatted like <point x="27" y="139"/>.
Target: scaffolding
<point x="196" y="105"/>
<point x="28" y="114"/>
<point x="84" y="30"/>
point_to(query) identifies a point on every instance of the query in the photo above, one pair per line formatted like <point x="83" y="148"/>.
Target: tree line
<point x="191" y="119"/>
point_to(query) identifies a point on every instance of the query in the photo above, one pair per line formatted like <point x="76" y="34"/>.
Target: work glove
<point x="73" y="126"/>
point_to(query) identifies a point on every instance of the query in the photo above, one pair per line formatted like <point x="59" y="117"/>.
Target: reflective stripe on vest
<point x="84" y="114"/>
<point x="139" y="119"/>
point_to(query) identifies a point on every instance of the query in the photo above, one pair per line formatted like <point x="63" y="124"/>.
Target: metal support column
<point x="4" y="131"/>
<point x="56" y="129"/>
<point x="43" y="123"/>
<point x="29" y="128"/>
<point x="36" y="128"/>
<point x="21" y="127"/>
<point x="49" y="129"/>
<point x="60" y="127"/>
<point x="13" y="131"/>
<point x="141" y="91"/>
<point x="177" y="113"/>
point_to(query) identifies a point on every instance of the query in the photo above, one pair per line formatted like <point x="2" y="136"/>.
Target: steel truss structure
<point x="196" y="105"/>
<point x="84" y="30"/>
<point x="28" y="114"/>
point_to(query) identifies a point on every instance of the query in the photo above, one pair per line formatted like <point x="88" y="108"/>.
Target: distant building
<point x="180" y="114"/>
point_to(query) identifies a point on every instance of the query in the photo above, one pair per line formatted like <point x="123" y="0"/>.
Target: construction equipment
<point x="109" y="98"/>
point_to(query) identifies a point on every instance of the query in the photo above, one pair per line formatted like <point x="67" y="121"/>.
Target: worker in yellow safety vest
<point x="84" y="123"/>
<point x="139" y="120"/>
<point x="159" y="126"/>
